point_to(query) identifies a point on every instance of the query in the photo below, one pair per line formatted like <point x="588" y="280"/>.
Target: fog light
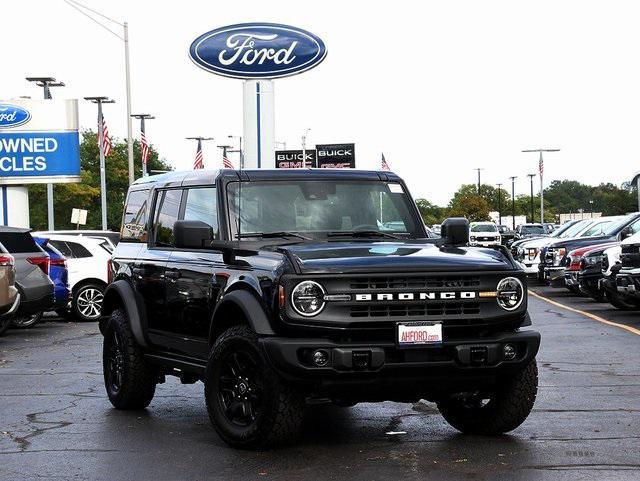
<point x="320" y="357"/>
<point x="509" y="352"/>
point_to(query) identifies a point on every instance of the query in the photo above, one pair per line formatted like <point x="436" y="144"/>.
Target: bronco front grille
<point x="416" y="282"/>
<point x="630" y="256"/>
<point x="416" y="310"/>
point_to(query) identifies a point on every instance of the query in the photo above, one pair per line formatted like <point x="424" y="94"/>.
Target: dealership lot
<point x="57" y="422"/>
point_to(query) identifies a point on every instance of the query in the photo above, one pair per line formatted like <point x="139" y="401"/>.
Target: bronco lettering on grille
<point x="411" y="296"/>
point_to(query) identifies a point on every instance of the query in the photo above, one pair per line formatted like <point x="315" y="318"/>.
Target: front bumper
<point x="628" y="283"/>
<point x="456" y="364"/>
<point x="490" y="243"/>
<point x="555" y="276"/>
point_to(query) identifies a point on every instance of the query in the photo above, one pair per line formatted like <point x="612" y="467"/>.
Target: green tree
<point x="431" y="213"/>
<point x="470" y="205"/>
<point x="86" y="194"/>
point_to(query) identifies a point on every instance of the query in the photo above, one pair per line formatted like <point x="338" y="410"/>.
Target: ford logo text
<point x="257" y="50"/>
<point x="13" y="116"/>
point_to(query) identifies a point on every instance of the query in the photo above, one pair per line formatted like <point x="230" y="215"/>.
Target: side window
<point x="62" y="247"/>
<point x="166" y="213"/>
<point x="78" y="250"/>
<point x="134" y="220"/>
<point x="201" y="204"/>
<point x="634" y="228"/>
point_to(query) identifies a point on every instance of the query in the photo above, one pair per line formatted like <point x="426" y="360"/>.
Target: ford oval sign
<point x="13" y="116"/>
<point x="257" y="50"/>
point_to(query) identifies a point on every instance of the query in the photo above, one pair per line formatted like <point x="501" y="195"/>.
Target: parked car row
<point x="599" y="258"/>
<point x="65" y="272"/>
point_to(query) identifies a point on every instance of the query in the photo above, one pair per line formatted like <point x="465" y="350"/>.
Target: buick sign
<point x="257" y="51"/>
<point x="13" y="116"/>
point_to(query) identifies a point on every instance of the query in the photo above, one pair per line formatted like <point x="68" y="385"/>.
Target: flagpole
<point x="103" y="173"/>
<point x="143" y="134"/>
<point x="541" y="168"/>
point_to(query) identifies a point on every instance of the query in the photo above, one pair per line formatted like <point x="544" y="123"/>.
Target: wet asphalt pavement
<point x="56" y="421"/>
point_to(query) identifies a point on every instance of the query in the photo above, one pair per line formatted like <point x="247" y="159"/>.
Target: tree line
<point x="562" y="196"/>
<point x="86" y="194"/>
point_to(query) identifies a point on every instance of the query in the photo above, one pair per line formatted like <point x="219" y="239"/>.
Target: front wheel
<point x="25" y="322"/>
<point x="248" y="404"/>
<point x="87" y="302"/>
<point x="619" y="302"/>
<point x="495" y="412"/>
<point x="128" y="378"/>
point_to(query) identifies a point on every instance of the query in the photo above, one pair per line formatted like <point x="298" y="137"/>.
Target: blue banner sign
<point x="39" y="155"/>
<point x="257" y="51"/>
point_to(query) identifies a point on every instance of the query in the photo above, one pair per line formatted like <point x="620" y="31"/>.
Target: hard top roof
<point x="205" y="176"/>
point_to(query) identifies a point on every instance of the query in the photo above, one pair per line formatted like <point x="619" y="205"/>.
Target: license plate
<point x="419" y="333"/>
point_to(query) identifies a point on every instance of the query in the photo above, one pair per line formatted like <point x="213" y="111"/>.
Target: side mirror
<point x="455" y="231"/>
<point x="625" y="233"/>
<point x="192" y="234"/>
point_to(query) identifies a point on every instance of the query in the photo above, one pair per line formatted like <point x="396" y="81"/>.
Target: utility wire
<point x="68" y="2"/>
<point x="97" y="13"/>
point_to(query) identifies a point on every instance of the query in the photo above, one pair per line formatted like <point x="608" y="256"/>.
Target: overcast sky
<point x="439" y="87"/>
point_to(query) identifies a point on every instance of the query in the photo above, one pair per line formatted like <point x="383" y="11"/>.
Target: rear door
<point x="149" y="267"/>
<point x="192" y="283"/>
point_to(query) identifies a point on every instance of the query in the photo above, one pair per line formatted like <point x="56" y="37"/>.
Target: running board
<point x="190" y="365"/>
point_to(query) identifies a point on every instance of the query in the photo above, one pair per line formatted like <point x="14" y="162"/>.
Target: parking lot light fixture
<point x="479" y="169"/>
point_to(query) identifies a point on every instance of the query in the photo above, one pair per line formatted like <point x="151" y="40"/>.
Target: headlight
<point x="559" y="255"/>
<point x="307" y="298"/>
<point x="593" y="260"/>
<point x="510" y="293"/>
<point x="472" y="238"/>
<point x="533" y="252"/>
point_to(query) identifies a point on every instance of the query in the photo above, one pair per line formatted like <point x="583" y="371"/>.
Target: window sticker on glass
<point x="395" y="188"/>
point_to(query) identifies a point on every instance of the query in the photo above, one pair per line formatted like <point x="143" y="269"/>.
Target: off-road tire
<point x="138" y="378"/>
<point x="26" y="322"/>
<point x="281" y="411"/>
<point x="507" y="409"/>
<point x="619" y="302"/>
<point x="82" y="297"/>
<point x="5" y="323"/>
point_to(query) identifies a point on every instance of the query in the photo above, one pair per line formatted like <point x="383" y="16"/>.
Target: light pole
<point x="478" y="169"/>
<point x="199" y="148"/>
<point x="499" y="203"/>
<point x="531" y="176"/>
<point x="304" y="147"/>
<point x="87" y="12"/>
<point x="46" y="83"/>
<point x="240" y="151"/>
<point x="513" y="201"/>
<point x="143" y="139"/>
<point x="103" y="173"/>
<point x="591" y="206"/>
<point x="225" y="149"/>
<point x="541" y="170"/>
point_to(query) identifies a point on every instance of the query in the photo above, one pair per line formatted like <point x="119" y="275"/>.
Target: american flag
<point x="226" y="162"/>
<point x="384" y="164"/>
<point x="541" y="165"/>
<point x="199" y="162"/>
<point x="106" y="140"/>
<point x="145" y="147"/>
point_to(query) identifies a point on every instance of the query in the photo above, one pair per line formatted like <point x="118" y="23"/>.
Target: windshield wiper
<point x="362" y="233"/>
<point x="268" y="235"/>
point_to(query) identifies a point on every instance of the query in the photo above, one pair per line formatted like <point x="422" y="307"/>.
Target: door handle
<point x="172" y="275"/>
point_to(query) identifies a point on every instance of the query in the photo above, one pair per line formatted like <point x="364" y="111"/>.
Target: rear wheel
<point x="497" y="412"/>
<point x="25" y="322"/>
<point x="129" y="380"/>
<point x="248" y="404"/>
<point x="87" y="302"/>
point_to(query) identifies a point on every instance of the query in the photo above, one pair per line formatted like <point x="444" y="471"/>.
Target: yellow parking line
<point x="587" y="314"/>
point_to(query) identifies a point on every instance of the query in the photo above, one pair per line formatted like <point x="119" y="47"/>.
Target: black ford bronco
<point x="280" y="289"/>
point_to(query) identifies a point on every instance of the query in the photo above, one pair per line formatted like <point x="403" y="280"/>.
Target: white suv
<point x="484" y="234"/>
<point x="88" y="264"/>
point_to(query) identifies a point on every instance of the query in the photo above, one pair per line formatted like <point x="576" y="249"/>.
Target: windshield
<point x="575" y="229"/>
<point x="614" y="227"/>
<point x="597" y="229"/>
<point x="532" y="229"/>
<point x="484" y="228"/>
<point x="315" y="208"/>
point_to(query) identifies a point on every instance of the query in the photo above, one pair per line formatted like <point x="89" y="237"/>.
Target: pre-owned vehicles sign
<point x="336" y="156"/>
<point x="39" y="141"/>
<point x="257" y="51"/>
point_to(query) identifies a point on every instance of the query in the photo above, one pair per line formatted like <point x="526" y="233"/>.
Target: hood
<point x="538" y="242"/>
<point x="577" y="242"/>
<point x="396" y="256"/>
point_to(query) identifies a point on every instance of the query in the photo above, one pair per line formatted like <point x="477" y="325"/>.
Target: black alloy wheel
<point x="240" y="387"/>
<point x="114" y="363"/>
